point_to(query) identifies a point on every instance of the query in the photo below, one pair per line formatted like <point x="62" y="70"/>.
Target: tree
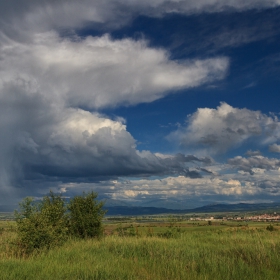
<point x="41" y="224"/>
<point x="50" y="222"/>
<point x="85" y="216"/>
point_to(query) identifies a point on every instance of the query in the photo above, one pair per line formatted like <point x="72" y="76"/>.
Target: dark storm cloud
<point x="44" y="141"/>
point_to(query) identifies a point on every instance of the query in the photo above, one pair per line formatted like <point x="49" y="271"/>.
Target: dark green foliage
<point x="85" y="216"/>
<point x="41" y="224"/>
<point x="270" y="228"/>
<point x="48" y="223"/>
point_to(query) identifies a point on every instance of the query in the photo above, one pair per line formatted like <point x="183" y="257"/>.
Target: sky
<point x="164" y="103"/>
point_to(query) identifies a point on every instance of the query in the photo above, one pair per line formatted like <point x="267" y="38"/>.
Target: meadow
<point x="165" y="250"/>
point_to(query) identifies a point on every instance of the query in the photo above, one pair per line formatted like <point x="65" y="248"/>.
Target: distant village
<point x="261" y="218"/>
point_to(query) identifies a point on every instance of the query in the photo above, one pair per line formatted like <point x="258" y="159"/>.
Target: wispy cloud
<point x="41" y="16"/>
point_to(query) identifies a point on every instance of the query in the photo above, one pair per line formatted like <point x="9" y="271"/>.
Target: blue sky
<point x="154" y="103"/>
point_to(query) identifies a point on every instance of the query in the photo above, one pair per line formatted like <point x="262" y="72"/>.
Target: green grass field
<point x="195" y="251"/>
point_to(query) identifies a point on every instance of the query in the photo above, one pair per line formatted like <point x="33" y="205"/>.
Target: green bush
<point x="270" y="228"/>
<point x="50" y="222"/>
<point x="41" y="224"/>
<point x="85" y="216"/>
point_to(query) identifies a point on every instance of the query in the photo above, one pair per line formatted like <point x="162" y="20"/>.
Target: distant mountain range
<point x="129" y="210"/>
<point x="171" y="203"/>
<point x="134" y="211"/>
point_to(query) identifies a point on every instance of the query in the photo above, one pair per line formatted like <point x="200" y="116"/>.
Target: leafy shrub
<point x="270" y="228"/>
<point x="85" y="216"/>
<point x="48" y="223"/>
<point x="41" y="224"/>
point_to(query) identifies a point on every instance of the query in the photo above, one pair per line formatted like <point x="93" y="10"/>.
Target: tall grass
<point x="7" y="237"/>
<point x="212" y="254"/>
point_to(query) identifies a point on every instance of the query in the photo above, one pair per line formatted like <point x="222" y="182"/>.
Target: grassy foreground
<point x="210" y="254"/>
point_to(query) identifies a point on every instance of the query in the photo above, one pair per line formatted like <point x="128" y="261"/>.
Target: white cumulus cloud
<point x="226" y="127"/>
<point x="98" y="71"/>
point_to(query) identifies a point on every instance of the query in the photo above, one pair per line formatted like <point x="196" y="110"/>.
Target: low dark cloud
<point x="250" y="163"/>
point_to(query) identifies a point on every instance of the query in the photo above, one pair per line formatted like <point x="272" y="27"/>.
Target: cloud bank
<point x="182" y="192"/>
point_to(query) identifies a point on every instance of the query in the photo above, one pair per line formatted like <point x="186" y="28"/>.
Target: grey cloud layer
<point x="183" y="192"/>
<point x="49" y="14"/>
<point x="261" y="185"/>
<point x="226" y="127"/>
